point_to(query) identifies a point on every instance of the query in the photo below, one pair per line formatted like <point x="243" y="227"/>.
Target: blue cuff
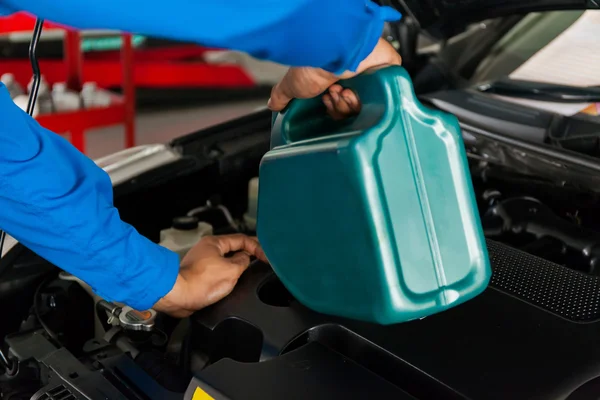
<point x="373" y="34"/>
<point x="160" y="278"/>
<point x="155" y="279"/>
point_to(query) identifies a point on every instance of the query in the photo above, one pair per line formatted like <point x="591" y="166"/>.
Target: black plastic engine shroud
<point x="533" y="334"/>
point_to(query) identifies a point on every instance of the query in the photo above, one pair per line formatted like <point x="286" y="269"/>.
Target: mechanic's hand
<point x="308" y="82"/>
<point x="206" y="275"/>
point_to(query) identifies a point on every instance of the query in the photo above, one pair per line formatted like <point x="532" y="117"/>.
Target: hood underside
<point x="444" y="18"/>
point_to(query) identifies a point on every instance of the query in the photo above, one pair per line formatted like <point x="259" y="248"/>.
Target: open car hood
<point x="444" y="18"/>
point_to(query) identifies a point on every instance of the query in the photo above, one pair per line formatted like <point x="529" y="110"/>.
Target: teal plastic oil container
<point x="372" y="218"/>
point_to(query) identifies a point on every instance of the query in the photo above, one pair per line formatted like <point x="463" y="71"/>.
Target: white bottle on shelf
<point x="22" y="100"/>
<point x="13" y="87"/>
<point x="44" y="97"/>
<point x="65" y="99"/>
<point x="93" y="97"/>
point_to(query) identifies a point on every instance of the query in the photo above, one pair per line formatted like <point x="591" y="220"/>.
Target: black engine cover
<point x="533" y="334"/>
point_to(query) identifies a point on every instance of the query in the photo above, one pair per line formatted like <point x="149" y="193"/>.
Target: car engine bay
<point x="531" y="334"/>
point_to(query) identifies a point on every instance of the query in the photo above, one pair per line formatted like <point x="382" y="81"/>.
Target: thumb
<point x="281" y="94"/>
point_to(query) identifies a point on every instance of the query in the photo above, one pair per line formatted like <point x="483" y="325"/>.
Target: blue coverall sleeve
<point x="332" y="34"/>
<point x="58" y="203"/>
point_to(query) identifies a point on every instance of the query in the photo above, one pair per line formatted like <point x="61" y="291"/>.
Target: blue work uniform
<point x="58" y="203"/>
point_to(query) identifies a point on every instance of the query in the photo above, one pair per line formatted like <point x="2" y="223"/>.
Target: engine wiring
<point x="36" y="309"/>
<point x="37" y="32"/>
<point x="209" y="207"/>
<point x="5" y="362"/>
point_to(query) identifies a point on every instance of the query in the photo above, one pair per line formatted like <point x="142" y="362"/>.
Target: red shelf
<point x="24" y="22"/>
<point x="154" y="74"/>
<point x="71" y="70"/>
<point x="175" y="67"/>
<point x="77" y="122"/>
<point x="175" y="52"/>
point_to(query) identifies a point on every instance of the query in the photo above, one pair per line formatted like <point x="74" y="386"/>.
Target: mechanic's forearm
<point x="332" y="34"/>
<point x="58" y="203"/>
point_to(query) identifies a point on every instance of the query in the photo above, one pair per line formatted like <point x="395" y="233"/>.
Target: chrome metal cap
<point x="137" y="320"/>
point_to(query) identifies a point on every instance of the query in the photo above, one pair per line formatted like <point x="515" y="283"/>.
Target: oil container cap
<point x="187" y="223"/>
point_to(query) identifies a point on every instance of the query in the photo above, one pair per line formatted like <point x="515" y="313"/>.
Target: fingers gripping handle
<point x="377" y="90"/>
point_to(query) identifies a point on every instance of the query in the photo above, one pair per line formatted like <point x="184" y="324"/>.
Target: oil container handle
<point x="305" y="119"/>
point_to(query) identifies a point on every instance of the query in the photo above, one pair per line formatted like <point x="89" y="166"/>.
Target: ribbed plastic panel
<point x="60" y="392"/>
<point x="562" y="291"/>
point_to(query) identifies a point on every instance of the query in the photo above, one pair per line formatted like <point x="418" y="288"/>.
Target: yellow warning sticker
<point x="593" y="109"/>
<point x="200" y="394"/>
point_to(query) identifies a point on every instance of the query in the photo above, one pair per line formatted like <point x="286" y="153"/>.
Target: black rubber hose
<point x="103" y="307"/>
<point x="37" y="76"/>
<point x="5" y="361"/>
<point x="2" y="236"/>
<point x="36" y="309"/>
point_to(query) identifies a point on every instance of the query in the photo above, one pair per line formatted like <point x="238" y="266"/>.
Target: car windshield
<point x="549" y="57"/>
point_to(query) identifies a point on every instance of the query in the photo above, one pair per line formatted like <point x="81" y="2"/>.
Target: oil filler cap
<point x="137" y="320"/>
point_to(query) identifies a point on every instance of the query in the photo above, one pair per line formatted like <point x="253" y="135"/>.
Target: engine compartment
<point x="532" y="334"/>
<point x="558" y="224"/>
